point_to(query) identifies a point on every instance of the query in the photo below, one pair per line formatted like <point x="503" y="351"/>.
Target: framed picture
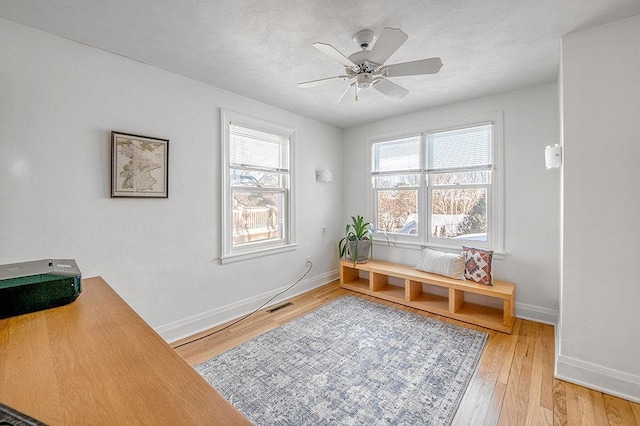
<point x="139" y="166"/>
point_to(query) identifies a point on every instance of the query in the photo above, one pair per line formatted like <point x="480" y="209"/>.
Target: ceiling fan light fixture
<point x="364" y="80"/>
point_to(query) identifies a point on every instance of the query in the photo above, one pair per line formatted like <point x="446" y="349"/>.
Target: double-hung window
<point x="396" y="176"/>
<point x="458" y="166"/>
<point x="257" y="205"/>
<point x="439" y="187"/>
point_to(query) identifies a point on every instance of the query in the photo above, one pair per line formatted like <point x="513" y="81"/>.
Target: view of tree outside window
<point x="455" y="181"/>
<point x="459" y="205"/>
<point x="396" y="210"/>
<point x="396" y="182"/>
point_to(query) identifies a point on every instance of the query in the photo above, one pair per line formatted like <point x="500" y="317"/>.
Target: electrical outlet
<point x="307" y="259"/>
<point x="323" y="231"/>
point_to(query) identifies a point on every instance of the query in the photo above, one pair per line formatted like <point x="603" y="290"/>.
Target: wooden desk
<point x="95" y="361"/>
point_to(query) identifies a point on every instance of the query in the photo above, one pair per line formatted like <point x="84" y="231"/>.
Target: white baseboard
<point x="537" y="313"/>
<point x="603" y="379"/>
<point x="194" y="324"/>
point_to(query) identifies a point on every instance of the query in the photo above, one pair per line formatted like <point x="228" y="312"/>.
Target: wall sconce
<point x="324" y="176"/>
<point x="553" y="156"/>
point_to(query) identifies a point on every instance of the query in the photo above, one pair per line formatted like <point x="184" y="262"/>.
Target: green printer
<point x="36" y="285"/>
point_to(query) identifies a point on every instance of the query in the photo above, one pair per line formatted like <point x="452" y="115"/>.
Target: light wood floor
<point x="514" y="384"/>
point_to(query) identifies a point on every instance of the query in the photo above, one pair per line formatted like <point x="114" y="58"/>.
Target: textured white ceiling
<point x="262" y="49"/>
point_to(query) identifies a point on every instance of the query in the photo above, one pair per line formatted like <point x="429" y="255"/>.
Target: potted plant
<point x="358" y="236"/>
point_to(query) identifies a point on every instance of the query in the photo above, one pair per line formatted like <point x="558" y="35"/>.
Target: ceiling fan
<point x="366" y="68"/>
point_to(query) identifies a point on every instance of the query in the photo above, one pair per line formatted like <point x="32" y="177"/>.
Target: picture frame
<point x="139" y="166"/>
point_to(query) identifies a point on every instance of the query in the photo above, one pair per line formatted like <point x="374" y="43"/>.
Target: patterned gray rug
<point x="351" y="362"/>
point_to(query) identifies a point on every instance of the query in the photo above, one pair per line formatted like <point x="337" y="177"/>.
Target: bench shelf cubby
<point x="449" y="301"/>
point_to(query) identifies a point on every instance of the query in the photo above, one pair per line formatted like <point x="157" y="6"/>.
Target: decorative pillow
<point x="448" y="264"/>
<point x="477" y="265"/>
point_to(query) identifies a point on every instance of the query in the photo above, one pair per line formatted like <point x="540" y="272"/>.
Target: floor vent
<point x="277" y="308"/>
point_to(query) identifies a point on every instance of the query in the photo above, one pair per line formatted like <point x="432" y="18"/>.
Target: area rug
<point x="352" y="362"/>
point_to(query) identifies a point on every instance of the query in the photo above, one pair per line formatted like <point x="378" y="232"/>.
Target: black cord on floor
<point x="251" y="313"/>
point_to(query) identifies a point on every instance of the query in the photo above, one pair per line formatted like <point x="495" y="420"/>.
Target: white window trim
<point x="496" y="216"/>
<point x="371" y="208"/>
<point x="229" y="254"/>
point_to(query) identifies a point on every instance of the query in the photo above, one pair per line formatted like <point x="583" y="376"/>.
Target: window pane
<point x="396" y="181"/>
<point x="257" y="216"/>
<point x="397" y="155"/>
<point x="398" y="211"/>
<point x="462" y="178"/>
<point x="254" y="148"/>
<point x="461" y="148"/>
<point x="256" y="179"/>
<point x="459" y="213"/>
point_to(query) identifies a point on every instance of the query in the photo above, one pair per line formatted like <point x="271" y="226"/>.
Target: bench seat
<point x="375" y="282"/>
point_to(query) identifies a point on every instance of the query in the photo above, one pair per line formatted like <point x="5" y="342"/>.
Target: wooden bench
<point x="413" y="295"/>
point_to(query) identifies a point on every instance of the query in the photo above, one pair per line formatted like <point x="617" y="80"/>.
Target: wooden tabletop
<point x="95" y="361"/>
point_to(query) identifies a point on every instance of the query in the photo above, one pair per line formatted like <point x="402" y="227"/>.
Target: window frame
<point x="231" y="252"/>
<point x="419" y="171"/>
<point x="495" y="189"/>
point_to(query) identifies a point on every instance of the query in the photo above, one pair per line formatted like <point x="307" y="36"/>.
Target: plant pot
<point x="364" y="248"/>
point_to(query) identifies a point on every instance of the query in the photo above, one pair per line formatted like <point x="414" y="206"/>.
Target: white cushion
<point x="448" y="264"/>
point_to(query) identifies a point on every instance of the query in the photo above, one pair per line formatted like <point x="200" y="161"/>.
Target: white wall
<point x="600" y="320"/>
<point x="59" y="100"/>
<point x="532" y="242"/>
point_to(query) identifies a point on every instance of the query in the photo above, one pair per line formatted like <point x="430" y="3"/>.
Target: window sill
<point x="420" y="246"/>
<point x="238" y="257"/>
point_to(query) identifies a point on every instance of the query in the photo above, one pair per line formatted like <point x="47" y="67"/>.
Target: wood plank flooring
<point x="514" y="384"/>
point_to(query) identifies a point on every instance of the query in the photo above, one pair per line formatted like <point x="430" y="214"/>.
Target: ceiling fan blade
<point x="423" y="66"/>
<point x="389" y="41"/>
<point x="389" y="88"/>
<point x="314" y="83"/>
<point x="329" y="50"/>
<point x="346" y="97"/>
